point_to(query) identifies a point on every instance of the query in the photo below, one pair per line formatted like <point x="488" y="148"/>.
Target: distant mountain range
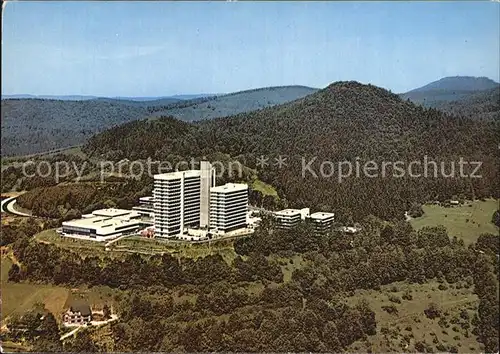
<point x="451" y="88"/>
<point x="40" y="123"/>
<point x="32" y="125"/>
<point x="475" y="97"/>
<point x="120" y="98"/>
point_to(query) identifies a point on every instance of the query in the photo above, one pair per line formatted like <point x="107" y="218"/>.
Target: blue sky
<point x="167" y="48"/>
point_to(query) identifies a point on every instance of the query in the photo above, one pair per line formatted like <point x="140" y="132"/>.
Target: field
<point x="466" y="221"/>
<point x="19" y="298"/>
<point x="402" y="331"/>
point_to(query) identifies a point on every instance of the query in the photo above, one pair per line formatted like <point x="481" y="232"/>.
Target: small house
<point x="78" y="313"/>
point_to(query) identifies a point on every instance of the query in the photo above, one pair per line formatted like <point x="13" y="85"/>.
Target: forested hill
<point x="37" y="125"/>
<point x="234" y="103"/>
<point x="341" y="122"/>
<point x="477" y="105"/>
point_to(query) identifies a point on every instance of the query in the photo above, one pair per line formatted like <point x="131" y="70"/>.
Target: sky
<point x="167" y="48"/>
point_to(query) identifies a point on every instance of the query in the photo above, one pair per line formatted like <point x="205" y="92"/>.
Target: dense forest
<point x="480" y="105"/>
<point x="307" y="313"/>
<point x="32" y="125"/>
<point x="343" y="122"/>
<point x="38" y="125"/>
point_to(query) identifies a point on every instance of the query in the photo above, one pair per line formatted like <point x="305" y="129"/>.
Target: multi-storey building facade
<point x="322" y="221"/>
<point x="176" y="202"/>
<point x="288" y="218"/>
<point x="207" y="173"/>
<point x="228" y="207"/>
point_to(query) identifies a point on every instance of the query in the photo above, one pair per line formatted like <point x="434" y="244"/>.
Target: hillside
<point x="234" y="103"/>
<point x="449" y="89"/>
<point x="140" y="102"/>
<point x="37" y="125"/>
<point x="30" y="126"/>
<point x="477" y="105"/>
<point x="341" y="122"/>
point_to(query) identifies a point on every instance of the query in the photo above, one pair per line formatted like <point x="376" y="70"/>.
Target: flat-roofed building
<point x="322" y="221"/>
<point x="228" y="207"/>
<point x="289" y="218"/>
<point x="103" y="224"/>
<point x="146" y="207"/>
<point x="176" y="202"/>
<point x="147" y="201"/>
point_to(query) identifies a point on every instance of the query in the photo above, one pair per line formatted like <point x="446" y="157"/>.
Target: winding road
<point x="7" y="206"/>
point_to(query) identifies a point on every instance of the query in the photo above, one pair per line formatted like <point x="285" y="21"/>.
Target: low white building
<point x="146" y="207"/>
<point x="103" y="224"/>
<point x="349" y="229"/>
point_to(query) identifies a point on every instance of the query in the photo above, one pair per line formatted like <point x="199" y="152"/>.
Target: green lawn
<point x="410" y="324"/>
<point x="465" y="222"/>
<point x="264" y="188"/>
<point x="20" y="297"/>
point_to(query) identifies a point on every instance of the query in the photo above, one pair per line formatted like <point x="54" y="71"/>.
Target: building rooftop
<point x="112" y="212"/>
<point x="349" y="229"/>
<point x="80" y="305"/>
<point x="230" y="187"/>
<point x="288" y="212"/>
<point x="177" y="175"/>
<point x="146" y="199"/>
<point x="321" y="216"/>
<point x="99" y="222"/>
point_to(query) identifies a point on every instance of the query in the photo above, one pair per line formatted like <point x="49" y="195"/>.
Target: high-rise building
<point x="207" y="182"/>
<point x="228" y="207"/>
<point x="176" y="202"/>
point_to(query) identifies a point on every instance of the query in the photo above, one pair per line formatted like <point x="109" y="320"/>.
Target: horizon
<point x="125" y="49"/>
<point x="90" y="96"/>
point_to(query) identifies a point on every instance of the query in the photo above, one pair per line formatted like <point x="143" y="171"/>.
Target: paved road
<point x="69" y="334"/>
<point x="117" y="239"/>
<point x="7" y="206"/>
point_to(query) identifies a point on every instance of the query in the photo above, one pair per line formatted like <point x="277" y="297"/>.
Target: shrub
<point x="432" y="311"/>
<point x="407" y="296"/>
<point x="393" y="298"/>
<point x="391" y="309"/>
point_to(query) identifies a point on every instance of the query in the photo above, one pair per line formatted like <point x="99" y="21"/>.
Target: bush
<point x="394" y="298"/>
<point x="442" y="287"/>
<point x="391" y="309"/>
<point x="407" y="296"/>
<point x="432" y="311"/>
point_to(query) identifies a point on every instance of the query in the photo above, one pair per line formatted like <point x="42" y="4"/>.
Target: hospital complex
<point x="187" y="205"/>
